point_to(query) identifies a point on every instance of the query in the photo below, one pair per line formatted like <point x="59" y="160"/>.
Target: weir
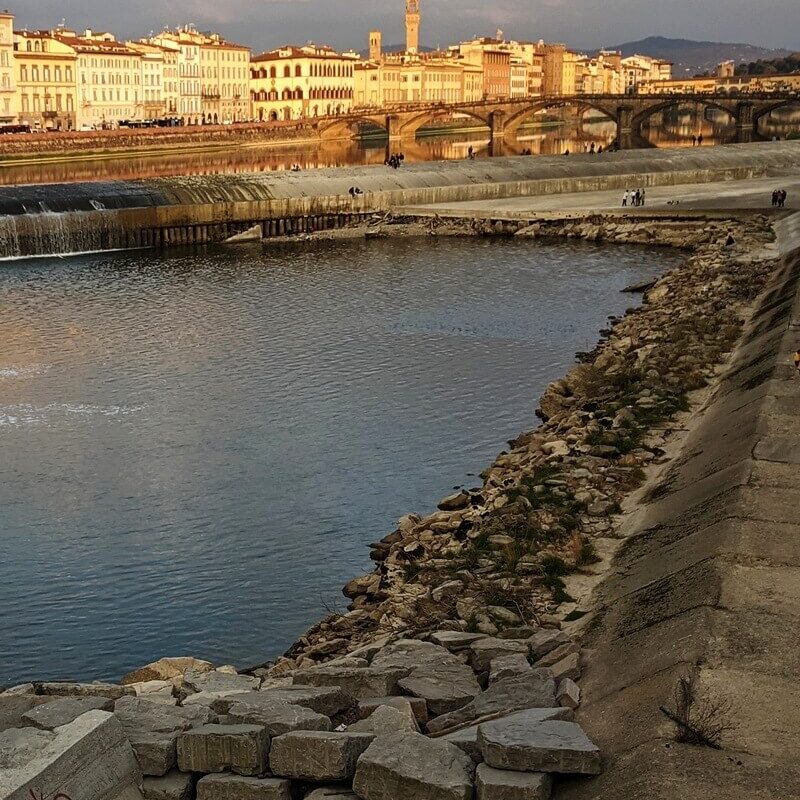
<point x="67" y="218"/>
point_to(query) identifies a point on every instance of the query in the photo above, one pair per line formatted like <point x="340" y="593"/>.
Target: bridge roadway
<point x="629" y="111"/>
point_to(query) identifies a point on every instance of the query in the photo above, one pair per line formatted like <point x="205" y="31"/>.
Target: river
<point x="198" y="446"/>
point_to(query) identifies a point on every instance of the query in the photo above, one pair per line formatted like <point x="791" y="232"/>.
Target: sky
<point x="265" y="24"/>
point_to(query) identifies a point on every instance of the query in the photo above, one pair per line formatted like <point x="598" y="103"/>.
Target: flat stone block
<point x="213" y="748"/>
<point x="484" y="650"/>
<point x="413" y="767"/>
<point x="455" y="641"/>
<point x="331" y="793"/>
<point x="172" y="786"/>
<point x="318" y="755"/>
<point x="327" y="700"/>
<point x="216" y="681"/>
<point x="65" y="710"/>
<point x="358" y="682"/>
<point x="66" y="689"/>
<point x="466" y="740"/>
<point x="238" y="787"/>
<point x="522" y="743"/>
<point x="444" y="687"/>
<point x="497" y="784"/>
<point x="386" y="719"/>
<point x="166" y="669"/>
<point x="544" y="641"/>
<point x="277" y="717"/>
<point x="569" y="694"/>
<point x="89" y="758"/>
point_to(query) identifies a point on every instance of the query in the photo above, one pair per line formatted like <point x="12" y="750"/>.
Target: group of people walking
<point x="395" y="160"/>
<point x="779" y="198"/>
<point x="636" y="198"/>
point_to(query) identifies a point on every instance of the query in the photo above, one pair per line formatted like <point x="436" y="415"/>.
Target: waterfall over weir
<point x="51" y="233"/>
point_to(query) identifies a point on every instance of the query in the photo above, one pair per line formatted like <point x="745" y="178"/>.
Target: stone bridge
<point x="628" y="111"/>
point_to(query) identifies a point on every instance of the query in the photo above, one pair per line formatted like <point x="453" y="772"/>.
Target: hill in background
<point x="695" y="58"/>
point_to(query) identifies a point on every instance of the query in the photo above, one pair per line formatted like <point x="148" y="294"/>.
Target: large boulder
<point x="89" y="758"/>
<point x="14" y="707"/>
<point x="500" y="784"/>
<point x="456" y="641"/>
<point x="318" y="755"/>
<point x="520" y="742"/>
<point x="413" y="767"/>
<point x="537" y="690"/>
<point x="239" y="787"/>
<point x="166" y="669"/>
<point x="243" y="749"/>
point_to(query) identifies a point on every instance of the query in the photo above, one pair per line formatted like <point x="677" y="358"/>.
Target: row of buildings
<point x="67" y="79"/>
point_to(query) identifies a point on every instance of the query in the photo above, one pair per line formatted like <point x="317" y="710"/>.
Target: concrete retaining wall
<point x="708" y="586"/>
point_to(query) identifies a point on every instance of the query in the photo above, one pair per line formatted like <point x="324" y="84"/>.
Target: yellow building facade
<point x="301" y="82"/>
<point x="8" y="87"/>
<point x="45" y="75"/>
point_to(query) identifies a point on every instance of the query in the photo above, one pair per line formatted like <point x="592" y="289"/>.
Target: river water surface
<point x="198" y="446"/>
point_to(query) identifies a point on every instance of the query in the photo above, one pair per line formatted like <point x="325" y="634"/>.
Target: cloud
<point x="346" y="23"/>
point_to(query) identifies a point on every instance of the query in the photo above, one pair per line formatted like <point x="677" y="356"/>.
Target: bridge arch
<point x="339" y="128"/>
<point x="674" y="101"/>
<point x="409" y="125"/>
<point x="768" y="108"/>
<point x="518" y="117"/>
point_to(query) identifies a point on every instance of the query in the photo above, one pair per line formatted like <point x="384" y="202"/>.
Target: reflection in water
<point x="554" y="138"/>
<point x="560" y="132"/>
<point x="681" y="125"/>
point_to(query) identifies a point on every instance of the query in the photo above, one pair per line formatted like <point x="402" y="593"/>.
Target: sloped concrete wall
<point x="708" y="586"/>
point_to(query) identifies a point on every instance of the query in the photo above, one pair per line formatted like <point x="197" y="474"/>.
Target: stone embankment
<point x="458" y="669"/>
<point x="127" y="141"/>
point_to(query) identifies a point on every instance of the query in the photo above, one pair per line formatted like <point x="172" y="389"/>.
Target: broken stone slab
<point x="454" y="502"/>
<point x="156" y="753"/>
<point x="166" y="669"/>
<point x="455" y="641"/>
<point x="542" y="642"/>
<point x="157" y="691"/>
<point x="14" y="706"/>
<point x="417" y="705"/>
<point x="521" y="743"/>
<point x="466" y="740"/>
<point x="569" y="694"/>
<point x="557" y="653"/>
<point x="277" y="717"/>
<point x="174" y="785"/>
<point x="140" y="715"/>
<point x="536" y="690"/>
<point x="569" y="667"/>
<point x="239" y="787"/>
<point x="485" y="650"/>
<point x="445" y="687"/>
<point x="66" y="689"/>
<point x="89" y="758"/>
<point x="210" y="699"/>
<point x="406" y="655"/>
<point x="386" y="719"/>
<point x="509" y="666"/>
<point x="413" y="767"/>
<point x="500" y="784"/>
<point x="359" y="682"/>
<point x="20" y="688"/>
<point x="243" y="749"/>
<point x="318" y="755"/>
<point x="220" y="681"/>
<point x="327" y="700"/>
<point x="332" y="793"/>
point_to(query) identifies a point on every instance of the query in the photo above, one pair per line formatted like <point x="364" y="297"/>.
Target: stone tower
<point x="412" y="26"/>
<point x="375" y="45"/>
